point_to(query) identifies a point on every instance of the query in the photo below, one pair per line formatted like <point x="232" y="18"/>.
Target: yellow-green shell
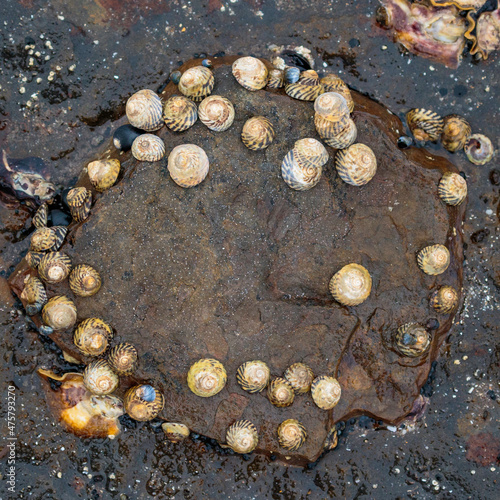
<point x="444" y="300"/>
<point x="92" y="336"/>
<point x="308" y="88"/>
<point x="54" y="267"/>
<point x="258" y="133"/>
<point x="33" y="258"/>
<point x="452" y="188"/>
<point x="84" y="280"/>
<point x="103" y="173"/>
<point x="34" y="294"/>
<point x="196" y="83"/>
<point x="41" y="216"/>
<point x="412" y="340"/>
<point x="300" y="377"/>
<point x="206" y="377"/>
<point x="425" y="125"/>
<point x="99" y="378"/>
<point x="280" y="392"/>
<point x="325" y="392"/>
<point x="351" y="285"/>
<point x="59" y="313"/>
<point x="175" y="432"/>
<point x="242" y="437"/>
<point x="456" y="132"/>
<point x="291" y="434"/>
<point x="356" y="165"/>
<point x="123" y="358"/>
<point x="79" y="201"/>
<point x="179" y="113"/>
<point x="253" y="376"/>
<point x="332" y="83"/>
<point x="434" y="259"/>
<point x="138" y="408"/>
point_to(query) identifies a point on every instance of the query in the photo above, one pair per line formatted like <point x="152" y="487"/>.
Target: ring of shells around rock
<point x="188" y="165"/>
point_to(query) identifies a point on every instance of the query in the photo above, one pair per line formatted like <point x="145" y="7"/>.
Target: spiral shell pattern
<point x="196" y="83"/>
<point x="148" y="147"/>
<point x="425" y="125"/>
<point x="188" y="165"/>
<point x="356" y="165"/>
<point x="33" y="259"/>
<point x="300" y="377"/>
<point x="242" y="437"/>
<point x="253" y="376"/>
<point x="332" y="83"/>
<point x="123" y="358"/>
<point x="434" y="259"/>
<point x="456" y="132"/>
<point x="216" y="112"/>
<point x="250" y="73"/>
<point x="343" y="139"/>
<point x="34" y="294"/>
<point x="144" y="110"/>
<point x="206" y="377"/>
<point x="103" y="173"/>
<point x="299" y="177"/>
<point x="351" y="285"/>
<point x="332" y="106"/>
<point x="291" y="434"/>
<point x="84" y="280"/>
<point x="452" y="188"/>
<point x="99" y="379"/>
<point x="258" y="133"/>
<point x="325" y="392"/>
<point x="59" y="313"/>
<point x="280" y="392"/>
<point x="444" y="300"/>
<point x="308" y="88"/>
<point x="479" y="149"/>
<point x="310" y="153"/>
<point x="41" y="216"/>
<point x="43" y="239"/>
<point x="179" y="113"/>
<point x="276" y="79"/>
<point x="143" y="402"/>
<point x="175" y="432"/>
<point x="92" y="336"/>
<point x="79" y="201"/>
<point x="54" y="267"/>
<point x="412" y="340"/>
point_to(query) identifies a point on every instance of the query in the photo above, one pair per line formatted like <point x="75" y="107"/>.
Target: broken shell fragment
<point x="123" y="358"/>
<point x="188" y="165"/>
<point x="79" y="201"/>
<point x="196" y="83"/>
<point x="59" y="313"/>
<point x="325" y="392"/>
<point x="144" y="110"/>
<point x="300" y="377"/>
<point x="207" y="377"/>
<point x="148" y="147"/>
<point x="41" y="216"/>
<point x="84" y="280"/>
<point x="412" y="340"/>
<point x="179" y="113"/>
<point x="54" y="267"/>
<point x="92" y="336"/>
<point x="34" y="294"/>
<point x="356" y="165"/>
<point x="250" y="73"/>
<point x="99" y="378"/>
<point x="452" y="188"/>
<point x="258" y="133"/>
<point x="175" y="432"/>
<point x="143" y="402"/>
<point x="479" y="149"/>
<point x="351" y="285"/>
<point x="103" y="173"/>
<point x="216" y="112"/>
<point x="444" y="300"/>
<point x="242" y="437"/>
<point x="456" y="132"/>
<point x="291" y="434"/>
<point x="253" y="376"/>
<point x="434" y="259"/>
<point x="280" y="392"/>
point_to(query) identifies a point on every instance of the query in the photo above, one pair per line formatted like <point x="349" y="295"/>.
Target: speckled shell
<point x="207" y="377"/>
<point x="179" y="113"/>
<point x="144" y="110"/>
<point x="242" y="437"/>
<point x="343" y="139"/>
<point x="41" y="216"/>
<point x="280" y="392"/>
<point x="34" y="294"/>
<point x="456" y="131"/>
<point x="332" y="106"/>
<point x="433" y="259"/>
<point x="351" y="285"/>
<point x="356" y="165"/>
<point x="258" y="133"/>
<point x="84" y="280"/>
<point x="188" y="165"/>
<point x="250" y="73"/>
<point x="175" y="432"/>
<point x="253" y="376"/>
<point x="123" y="358"/>
<point x="79" y="200"/>
<point x="103" y="173"/>
<point x="54" y="267"/>
<point x="444" y="300"/>
<point x="299" y="177"/>
<point x="325" y="392"/>
<point x="308" y="88"/>
<point x="142" y="409"/>
<point x="216" y="112"/>
<point x="59" y="313"/>
<point x="425" y="125"/>
<point x="452" y="188"/>
<point x="33" y="259"/>
<point x="412" y="340"/>
<point x="92" y="336"/>
<point x="300" y="377"/>
<point x="276" y="79"/>
<point x="332" y="83"/>
<point x="148" y="147"/>
<point x="291" y="434"/>
<point x="197" y="82"/>
<point x="99" y="378"/>
<point x="310" y="153"/>
<point x="479" y="149"/>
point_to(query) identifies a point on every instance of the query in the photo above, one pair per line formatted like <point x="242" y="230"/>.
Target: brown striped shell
<point x="59" y="313"/>
<point x="332" y="83"/>
<point x="250" y="73"/>
<point x="425" y="125"/>
<point x="242" y="437"/>
<point x="99" y="378"/>
<point x="456" y="132"/>
<point x="351" y="285"/>
<point x="258" y="133"/>
<point x="434" y="259"/>
<point x="276" y="79"/>
<point x="54" y="267"/>
<point x="300" y="377"/>
<point x="328" y="129"/>
<point x="103" y="173"/>
<point x="479" y="149"/>
<point x="180" y="113"/>
<point x="298" y="176"/>
<point x="197" y="82"/>
<point x="33" y="259"/>
<point x="412" y="340"/>
<point x="325" y="392"/>
<point x="143" y="402"/>
<point x="43" y="239"/>
<point x="92" y="336"/>
<point x="84" y="280"/>
<point x="79" y="201"/>
<point x="310" y="153"/>
<point x="280" y="392"/>
<point x="144" y="110"/>
<point x="175" y="432"/>
<point x="34" y="294"/>
<point x="188" y="165"/>
<point x="356" y="165"/>
<point x="308" y="88"/>
<point x="123" y="358"/>
<point x="148" y="147"/>
<point x="291" y="434"/>
<point x="344" y="138"/>
<point x="253" y="376"/>
<point x="332" y="106"/>
<point x="206" y="377"/>
<point x="41" y="216"/>
<point x="216" y="112"/>
<point x="452" y="188"/>
<point x="444" y="300"/>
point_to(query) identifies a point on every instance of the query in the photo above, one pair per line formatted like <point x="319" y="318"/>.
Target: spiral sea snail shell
<point x="412" y="340"/>
<point x="188" y="165"/>
<point x="54" y="267"/>
<point x="92" y="336"/>
<point x="425" y="125"/>
<point x="148" y="147"/>
<point x="300" y="377"/>
<point x="196" y="83"/>
<point x="99" y="378"/>
<point x="479" y="149"/>
<point x="351" y="285"/>
<point x="291" y="434"/>
<point x="332" y="83"/>
<point x="179" y="113"/>
<point x="456" y="132"/>
<point x="332" y="106"/>
<point x="79" y="201"/>
<point x="343" y="139"/>
<point x="59" y="313"/>
<point x="325" y="392"/>
<point x="444" y="300"/>
<point x="103" y="173"/>
<point x="175" y="432"/>
<point x="143" y="402"/>
<point x="34" y="294"/>
<point x="144" y="110"/>
<point x="308" y="88"/>
<point x="216" y="112"/>
<point x="242" y="437"/>
<point x="258" y="133"/>
<point x="276" y="79"/>
<point x="310" y="153"/>
<point x="123" y="358"/>
<point x="452" y="188"/>
<point x="41" y="216"/>
<point x="207" y="377"/>
<point x="356" y="165"/>
<point x="433" y="259"/>
<point x="48" y="238"/>
<point x="250" y="73"/>
<point x="84" y="280"/>
<point x="253" y="376"/>
<point x="280" y="392"/>
<point x="33" y="259"/>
